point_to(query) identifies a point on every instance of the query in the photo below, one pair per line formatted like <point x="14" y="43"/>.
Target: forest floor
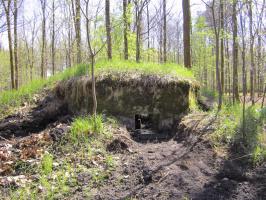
<point x="183" y="167"/>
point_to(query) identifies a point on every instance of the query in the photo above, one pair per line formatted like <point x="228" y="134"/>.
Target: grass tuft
<point x="47" y="164"/>
<point x="83" y="127"/>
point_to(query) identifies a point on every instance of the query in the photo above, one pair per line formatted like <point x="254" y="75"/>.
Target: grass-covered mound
<point x="128" y="93"/>
<point x="146" y="68"/>
<point x="14" y="98"/>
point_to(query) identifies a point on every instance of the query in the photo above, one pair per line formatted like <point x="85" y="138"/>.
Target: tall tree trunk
<point x="260" y="77"/>
<point x="187" y="32"/>
<point x="217" y="50"/>
<point x="164" y="32"/>
<point x="222" y="43"/>
<point x="125" y="29"/>
<point x="244" y="75"/>
<point x="92" y="60"/>
<point x="138" y="34"/>
<point x="252" y="68"/>
<point x="108" y="29"/>
<point x="235" y="55"/>
<point x="53" y="37"/>
<point x="16" y="42"/>
<point x="260" y="70"/>
<point x="43" y="51"/>
<point x="161" y="46"/>
<point x="148" y="31"/>
<point x="32" y="58"/>
<point x="228" y="84"/>
<point x="78" y="31"/>
<point x="10" y="46"/>
<point x="69" y="41"/>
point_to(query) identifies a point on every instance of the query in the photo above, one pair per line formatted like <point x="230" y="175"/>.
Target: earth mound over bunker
<point x="158" y="101"/>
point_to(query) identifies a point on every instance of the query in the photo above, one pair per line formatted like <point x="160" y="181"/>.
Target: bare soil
<point x="184" y="167"/>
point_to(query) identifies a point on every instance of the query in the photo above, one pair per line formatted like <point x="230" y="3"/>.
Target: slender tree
<point x="77" y="23"/>
<point x="164" y="32"/>
<point x="186" y="32"/>
<point x="16" y="42"/>
<point x="222" y="43"/>
<point x="139" y="8"/>
<point x="235" y="54"/>
<point x="244" y="75"/>
<point x="53" y="37"/>
<point x="43" y="51"/>
<point x="252" y="68"/>
<point x="78" y="30"/>
<point x="216" y="29"/>
<point x="125" y="29"/>
<point x="108" y="29"/>
<point x="7" y="8"/>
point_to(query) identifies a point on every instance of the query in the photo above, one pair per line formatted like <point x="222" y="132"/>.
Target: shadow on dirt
<point x="237" y="177"/>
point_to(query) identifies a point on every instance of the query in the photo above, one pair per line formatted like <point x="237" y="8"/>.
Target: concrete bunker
<point x="143" y="102"/>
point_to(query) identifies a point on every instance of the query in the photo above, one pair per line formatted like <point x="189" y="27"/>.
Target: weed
<point x="83" y="127"/>
<point x="109" y="161"/>
<point x="47" y="164"/>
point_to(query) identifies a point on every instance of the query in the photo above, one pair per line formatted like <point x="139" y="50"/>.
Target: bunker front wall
<point x="163" y="100"/>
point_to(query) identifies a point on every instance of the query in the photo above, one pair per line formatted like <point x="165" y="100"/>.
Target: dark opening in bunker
<point x="143" y="121"/>
<point x="146" y="128"/>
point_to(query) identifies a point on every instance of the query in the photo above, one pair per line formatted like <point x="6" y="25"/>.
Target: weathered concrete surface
<point x="164" y="98"/>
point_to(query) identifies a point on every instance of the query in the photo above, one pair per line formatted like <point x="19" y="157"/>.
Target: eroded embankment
<point x="163" y="98"/>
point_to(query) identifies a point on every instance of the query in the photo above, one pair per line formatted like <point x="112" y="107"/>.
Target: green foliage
<point x="83" y="127"/>
<point x="47" y="164"/>
<point x="231" y="130"/>
<point x="208" y="93"/>
<point x="14" y="98"/>
<point x="229" y="120"/>
<point x="4" y="70"/>
<point x="203" y="58"/>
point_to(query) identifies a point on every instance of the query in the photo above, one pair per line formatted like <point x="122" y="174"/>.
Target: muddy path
<point x="187" y="169"/>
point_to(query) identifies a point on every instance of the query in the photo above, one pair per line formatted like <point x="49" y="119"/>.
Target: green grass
<point x="47" y="164"/>
<point x="13" y="98"/>
<point x="230" y="130"/>
<point x="73" y="158"/>
<point x="83" y="127"/>
<point x="144" y="68"/>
